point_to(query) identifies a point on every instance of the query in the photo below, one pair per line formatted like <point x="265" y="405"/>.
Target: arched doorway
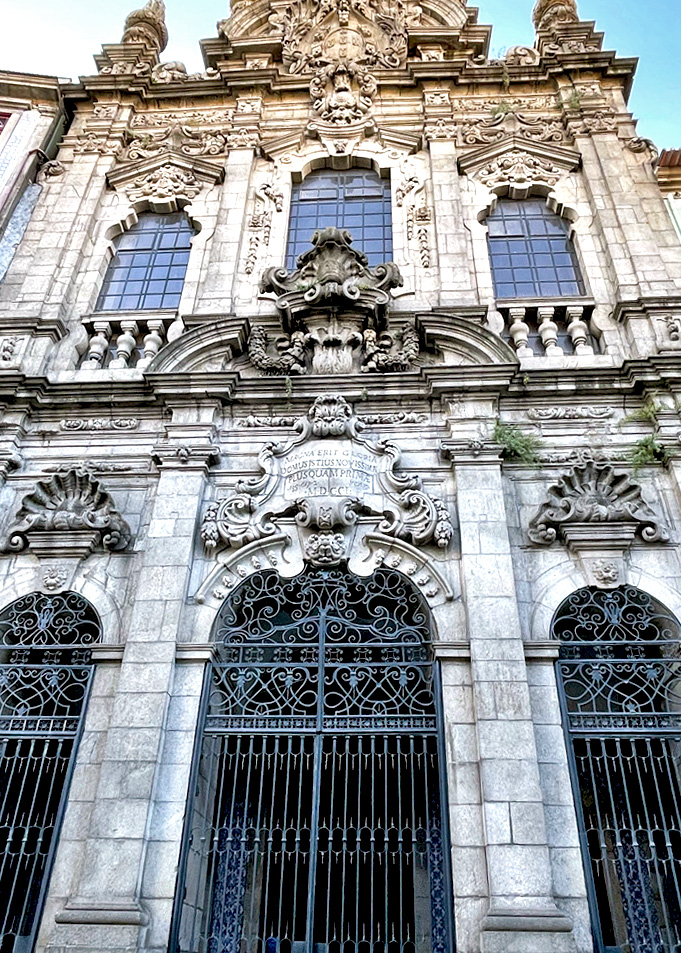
<point x="316" y="821"/>
<point x="45" y="676"/>
<point x="618" y="676"/>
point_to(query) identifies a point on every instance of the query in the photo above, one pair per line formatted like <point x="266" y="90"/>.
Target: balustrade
<point x="130" y="340"/>
<point x="550" y="329"/>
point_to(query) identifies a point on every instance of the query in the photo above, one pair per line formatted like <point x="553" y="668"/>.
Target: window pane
<point x="537" y="259"/>
<point x="356" y="200"/>
<point x="137" y="275"/>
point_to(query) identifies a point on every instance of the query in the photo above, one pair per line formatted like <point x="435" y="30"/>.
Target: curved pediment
<point x="462" y="341"/>
<point x="254" y="350"/>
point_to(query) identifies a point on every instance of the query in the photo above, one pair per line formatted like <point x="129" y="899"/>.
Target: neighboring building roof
<point x="669" y="170"/>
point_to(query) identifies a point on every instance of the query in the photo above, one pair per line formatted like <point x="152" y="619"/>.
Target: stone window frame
<point x="111" y="221"/>
<point x="289" y="168"/>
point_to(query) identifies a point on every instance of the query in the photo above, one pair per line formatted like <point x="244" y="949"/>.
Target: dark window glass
<point x="357" y="200"/>
<point x="531" y="252"/>
<point x="3" y="120"/>
<point x="149" y="266"/>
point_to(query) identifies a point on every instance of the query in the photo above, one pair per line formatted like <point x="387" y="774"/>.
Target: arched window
<point x="45" y="675"/>
<point x="317" y="820"/>
<point x="531" y="251"/>
<point x="358" y="200"/>
<point x="148" y="268"/>
<point x="620" y="693"/>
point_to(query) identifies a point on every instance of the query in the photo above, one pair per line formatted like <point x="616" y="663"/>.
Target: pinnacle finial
<point x="551" y="14"/>
<point x="148" y="25"/>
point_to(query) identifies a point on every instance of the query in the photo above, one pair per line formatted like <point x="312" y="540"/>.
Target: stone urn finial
<point x="148" y="26"/>
<point x="549" y="15"/>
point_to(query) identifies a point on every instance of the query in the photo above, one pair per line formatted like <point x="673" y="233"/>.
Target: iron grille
<point x="45" y="676"/>
<point x="621" y="699"/>
<point x="315" y="822"/>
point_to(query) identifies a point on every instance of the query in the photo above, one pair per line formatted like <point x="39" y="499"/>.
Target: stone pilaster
<point x="522" y="912"/>
<point x="106" y="909"/>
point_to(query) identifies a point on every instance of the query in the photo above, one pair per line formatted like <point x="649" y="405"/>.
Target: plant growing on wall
<point x="517" y="446"/>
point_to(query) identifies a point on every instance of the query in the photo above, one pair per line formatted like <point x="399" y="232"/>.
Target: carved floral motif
<point x="594" y="493"/>
<point x="168" y="182"/>
<point x="70" y="501"/>
<point x="519" y="168"/>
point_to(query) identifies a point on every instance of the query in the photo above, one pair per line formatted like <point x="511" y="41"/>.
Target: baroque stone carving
<point x="79" y="424"/>
<point x="217" y="117"/>
<point x="315" y="33"/>
<point x="570" y="413"/>
<point x="550" y="15"/>
<point x="183" y="139"/>
<point x="593" y="123"/>
<point x="334" y="314"/>
<point x="496" y="128"/>
<point x="332" y="274"/>
<point x="147" y="26"/>
<point x="71" y="501"/>
<point x="321" y="481"/>
<point x="519" y="168"/>
<point x="167" y="183"/>
<point x="594" y="493"/>
<point x="342" y="93"/>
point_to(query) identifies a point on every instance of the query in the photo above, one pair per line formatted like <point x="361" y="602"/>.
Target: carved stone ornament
<point x="519" y="168"/>
<point x="71" y="504"/>
<point x="147" y="26"/>
<point x="550" y="15"/>
<point x="595" y="494"/>
<point x="315" y="33"/>
<point x="332" y="275"/>
<point x="496" y="128"/>
<point x="168" y="184"/>
<point x="333" y="309"/>
<point x="183" y="139"/>
<point x="319" y="484"/>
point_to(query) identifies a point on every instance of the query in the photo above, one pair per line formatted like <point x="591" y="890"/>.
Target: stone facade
<point x="187" y="425"/>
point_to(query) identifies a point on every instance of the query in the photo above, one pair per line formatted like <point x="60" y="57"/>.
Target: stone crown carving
<point x="595" y="494"/>
<point x="71" y="502"/>
<point x="332" y="275"/>
<point x="321" y="482"/>
<point x="147" y="26"/>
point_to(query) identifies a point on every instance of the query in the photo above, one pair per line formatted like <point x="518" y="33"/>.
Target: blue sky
<point x="44" y="36"/>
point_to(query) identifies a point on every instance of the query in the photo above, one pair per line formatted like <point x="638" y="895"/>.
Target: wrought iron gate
<point x="315" y="821"/>
<point x="44" y="684"/>
<point x="620" y="679"/>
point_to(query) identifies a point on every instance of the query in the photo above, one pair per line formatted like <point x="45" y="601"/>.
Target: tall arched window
<point x="45" y="675"/>
<point x="620" y="693"/>
<point x="316" y="820"/>
<point x="149" y="265"/>
<point x="531" y="251"/>
<point x="358" y="200"/>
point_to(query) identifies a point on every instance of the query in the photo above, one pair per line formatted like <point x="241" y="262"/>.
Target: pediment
<point x="164" y="182"/>
<point x="464" y="342"/>
<point x="516" y="164"/>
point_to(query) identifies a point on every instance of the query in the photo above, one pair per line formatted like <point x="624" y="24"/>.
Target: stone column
<point x="522" y="915"/>
<point x="106" y="911"/>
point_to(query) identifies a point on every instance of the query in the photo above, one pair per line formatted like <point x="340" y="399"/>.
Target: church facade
<point x="340" y="470"/>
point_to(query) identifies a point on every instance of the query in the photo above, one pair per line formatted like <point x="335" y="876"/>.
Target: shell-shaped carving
<point x="594" y="493"/>
<point x="69" y="501"/>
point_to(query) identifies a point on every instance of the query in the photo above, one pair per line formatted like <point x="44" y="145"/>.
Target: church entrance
<point x="316" y="822"/>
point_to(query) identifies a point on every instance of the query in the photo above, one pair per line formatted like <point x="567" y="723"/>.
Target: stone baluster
<point x="578" y="330"/>
<point x="519" y="331"/>
<point x="548" y="331"/>
<point x="126" y="342"/>
<point x="99" y="345"/>
<point x="153" y="340"/>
